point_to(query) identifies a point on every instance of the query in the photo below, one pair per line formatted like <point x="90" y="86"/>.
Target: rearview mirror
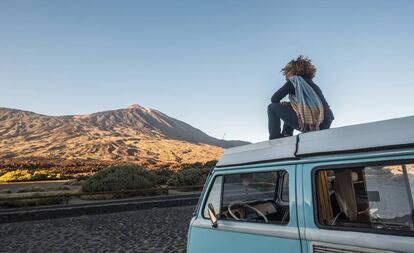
<point x="212" y="214"/>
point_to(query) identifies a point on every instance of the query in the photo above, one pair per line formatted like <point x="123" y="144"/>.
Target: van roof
<point x="387" y="134"/>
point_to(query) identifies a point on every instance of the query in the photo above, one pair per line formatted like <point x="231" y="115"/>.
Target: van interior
<point x="365" y="197"/>
<point x="258" y="197"/>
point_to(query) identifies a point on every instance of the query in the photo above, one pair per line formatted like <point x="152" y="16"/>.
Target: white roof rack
<point x="394" y="133"/>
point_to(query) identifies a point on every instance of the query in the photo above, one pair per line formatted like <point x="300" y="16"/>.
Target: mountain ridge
<point x="134" y="134"/>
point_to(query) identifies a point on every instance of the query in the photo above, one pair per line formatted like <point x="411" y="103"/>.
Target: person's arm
<point x="283" y="92"/>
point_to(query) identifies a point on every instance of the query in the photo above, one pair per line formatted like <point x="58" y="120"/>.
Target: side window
<point x="409" y="168"/>
<point x="374" y="197"/>
<point x="253" y="197"/>
<point x="214" y="196"/>
<point x="285" y="188"/>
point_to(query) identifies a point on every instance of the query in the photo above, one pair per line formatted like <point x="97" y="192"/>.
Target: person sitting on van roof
<point x="307" y="110"/>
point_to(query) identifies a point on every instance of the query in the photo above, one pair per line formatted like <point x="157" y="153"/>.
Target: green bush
<point x="163" y="174"/>
<point x="189" y="177"/>
<point x="210" y="164"/>
<point x="119" y="178"/>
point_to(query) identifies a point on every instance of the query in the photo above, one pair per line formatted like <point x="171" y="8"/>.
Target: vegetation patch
<point x="29" y="175"/>
<point x="32" y="201"/>
<point x="97" y="197"/>
<point x="118" y="178"/>
<point x="64" y="188"/>
<point x="189" y="177"/>
<point x="31" y="189"/>
<point x="163" y="175"/>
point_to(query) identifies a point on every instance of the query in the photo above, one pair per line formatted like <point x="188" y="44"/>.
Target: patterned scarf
<point x="307" y="105"/>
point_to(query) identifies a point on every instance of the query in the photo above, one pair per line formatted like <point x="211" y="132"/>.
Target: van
<point x="347" y="189"/>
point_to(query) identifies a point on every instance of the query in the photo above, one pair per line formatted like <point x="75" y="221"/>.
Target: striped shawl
<point x="307" y="105"/>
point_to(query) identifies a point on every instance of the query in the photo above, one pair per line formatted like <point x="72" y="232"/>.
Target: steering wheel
<point x="248" y="206"/>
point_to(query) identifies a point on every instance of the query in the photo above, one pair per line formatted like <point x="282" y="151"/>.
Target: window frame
<point x="211" y="184"/>
<point x="278" y="185"/>
<point x="280" y="189"/>
<point x="315" y="169"/>
<point x="202" y="194"/>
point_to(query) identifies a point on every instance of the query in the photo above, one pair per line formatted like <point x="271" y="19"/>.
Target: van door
<point x="256" y="212"/>
<point x="359" y="207"/>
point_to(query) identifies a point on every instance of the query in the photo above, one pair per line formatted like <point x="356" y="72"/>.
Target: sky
<point x="212" y="64"/>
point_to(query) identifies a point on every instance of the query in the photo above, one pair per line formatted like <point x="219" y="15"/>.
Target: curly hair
<point x="301" y="66"/>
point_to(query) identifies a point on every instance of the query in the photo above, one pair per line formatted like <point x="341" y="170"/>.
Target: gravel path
<point x="154" y="230"/>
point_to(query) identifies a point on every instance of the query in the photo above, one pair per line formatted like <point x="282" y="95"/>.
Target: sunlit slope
<point x="135" y="134"/>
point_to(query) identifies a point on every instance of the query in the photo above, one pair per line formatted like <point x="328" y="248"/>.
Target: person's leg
<point x="290" y="120"/>
<point x="285" y="112"/>
<point x="287" y="130"/>
<point x="273" y="121"/>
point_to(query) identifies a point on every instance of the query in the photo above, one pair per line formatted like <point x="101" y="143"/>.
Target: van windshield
<point x="249" y="187"/>
<point x="260" y="197"/>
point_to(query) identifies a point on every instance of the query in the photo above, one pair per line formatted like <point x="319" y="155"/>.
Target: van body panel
<point x="242" y="236"/>
<point x="203" y="240"/>
<point x="300" y="207"/>
<point x="268" y="150"/>
<point x="251" y="228"/>
<point x="391" y="133"/>
<point x="302" y="234"/>
<point x="323" y="158"/>
<point x="366" y="241"/>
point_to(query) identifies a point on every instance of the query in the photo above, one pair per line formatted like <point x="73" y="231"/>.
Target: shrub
<point x="210" y="164"/>
<point x="28" y="175"/>
<point x="97" y="197"/>
<point x="64" y="188"/>
<point x="31" y="189"/>
<point x="163" y="174"/>
<point x="118" y="178"/>
<point x="33" y="201"/>
<point x="188" y="177"/>
<point x="7" y="191"/>
<point x="17" y="175"/>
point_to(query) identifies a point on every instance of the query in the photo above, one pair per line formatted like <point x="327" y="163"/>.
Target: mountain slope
<point x="135" y="134"/>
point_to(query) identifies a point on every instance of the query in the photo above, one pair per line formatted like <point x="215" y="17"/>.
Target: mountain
<point x="134" y="135"/>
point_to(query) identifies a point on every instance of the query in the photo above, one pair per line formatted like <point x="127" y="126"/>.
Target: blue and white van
<point x="347" y="189"/>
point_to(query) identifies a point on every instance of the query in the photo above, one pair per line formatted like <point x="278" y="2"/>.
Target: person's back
<point x="327" y="109"/>
<point x="306" y="111"/>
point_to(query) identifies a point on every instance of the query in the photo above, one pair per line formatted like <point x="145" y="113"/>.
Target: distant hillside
<point x="135" y="134"/>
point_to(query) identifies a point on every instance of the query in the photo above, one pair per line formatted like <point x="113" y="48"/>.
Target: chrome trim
<point x="280" y="231"/>
<point x="365" y="240"/>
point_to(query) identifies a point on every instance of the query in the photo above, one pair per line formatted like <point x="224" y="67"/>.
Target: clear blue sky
<point x="213" y="64"/>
